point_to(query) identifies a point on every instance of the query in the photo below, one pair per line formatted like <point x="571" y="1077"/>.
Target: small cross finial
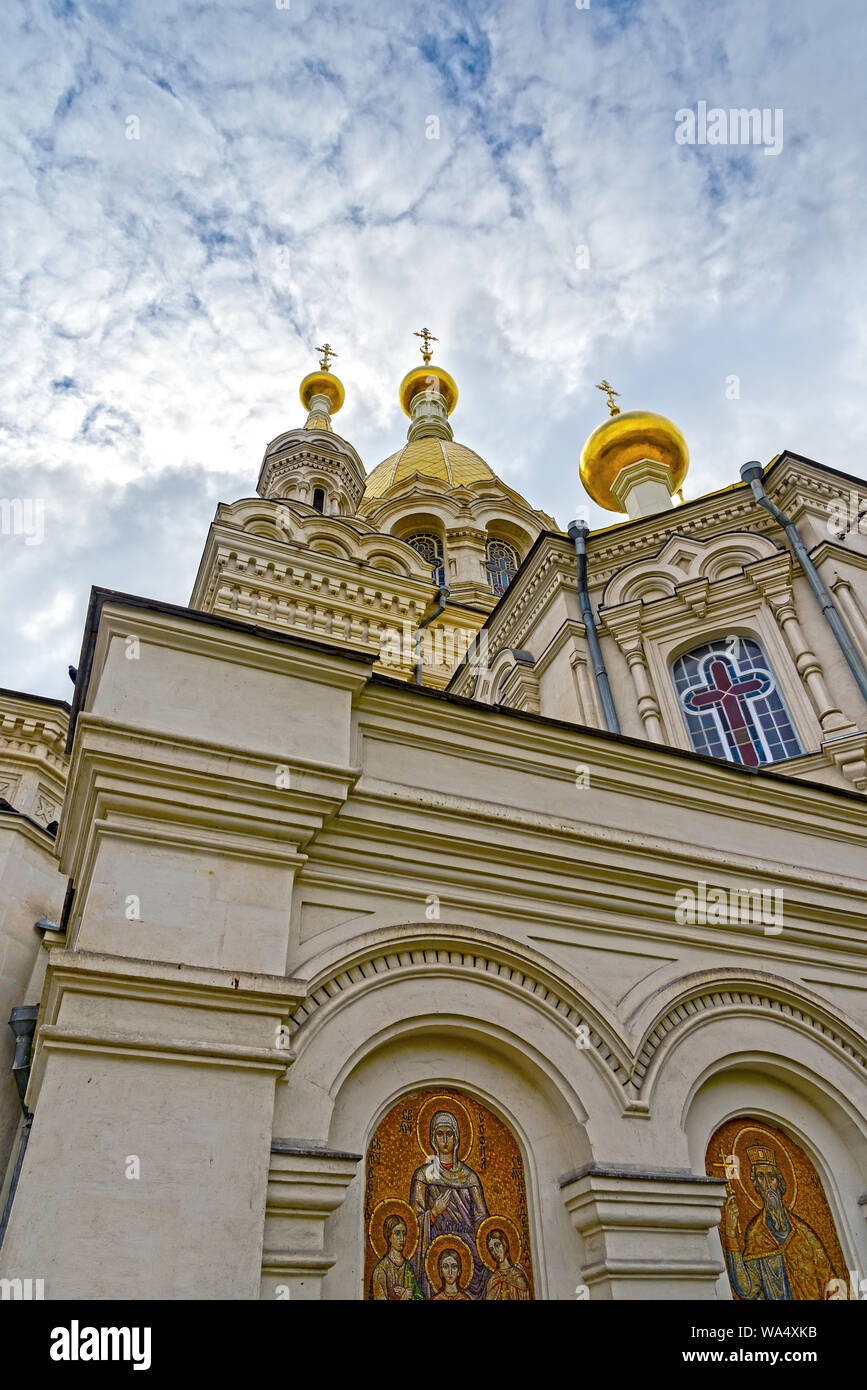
<point x="428" y="339"/>
<point x="610" y="393"/>
<point x="327" y="352"/>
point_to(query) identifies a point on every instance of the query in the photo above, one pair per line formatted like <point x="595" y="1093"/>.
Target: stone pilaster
<point x="306" y="1183"/>
<point x="830" y="716"/>
<point x="626" y="630"/>
<point x="153" y="1092"/>
<point x="645" y="1232"/>
<point x="847" y="602"/>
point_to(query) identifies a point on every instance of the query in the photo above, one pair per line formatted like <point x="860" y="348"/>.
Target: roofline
<point x="767" y="470"/>
<point x="36" y="699"/>
<point x="100" y="597"/>
<point x="605" y="735"/>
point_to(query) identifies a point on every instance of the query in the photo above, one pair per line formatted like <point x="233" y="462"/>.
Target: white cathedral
<point x="446" y="906"/>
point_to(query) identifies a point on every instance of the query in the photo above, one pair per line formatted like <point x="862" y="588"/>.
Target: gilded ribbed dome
<point x="450" y="462"/>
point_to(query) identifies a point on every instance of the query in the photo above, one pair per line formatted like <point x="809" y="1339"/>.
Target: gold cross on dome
<point x="327" y="351"/>
<point x="610" y="393"/>
<point x="428" y="339"/>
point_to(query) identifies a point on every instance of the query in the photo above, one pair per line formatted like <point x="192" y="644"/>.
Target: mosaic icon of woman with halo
<point x="448" y="1199"/>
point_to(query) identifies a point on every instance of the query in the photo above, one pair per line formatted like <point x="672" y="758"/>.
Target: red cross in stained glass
<point x="726" y="695"/>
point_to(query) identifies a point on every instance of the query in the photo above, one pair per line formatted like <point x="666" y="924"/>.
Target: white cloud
<point x="162" y="296"/>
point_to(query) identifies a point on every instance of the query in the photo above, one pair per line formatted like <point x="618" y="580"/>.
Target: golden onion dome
<point x="626" y="438"/>
<point x="444" y="459"/>
<point x="322" y="384"/>
<point x="424" y="379"/>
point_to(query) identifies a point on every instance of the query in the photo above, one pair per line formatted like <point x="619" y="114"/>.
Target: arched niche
<point x="781" y="1097"/>
<point x="386" y="1017"/>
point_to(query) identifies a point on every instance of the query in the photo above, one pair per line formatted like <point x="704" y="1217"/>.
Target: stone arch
<point x="818" y="1116"/>
<point x="723" y="1043"/>
<point x="517" y="1083"/>
<point x="422" y="1005"/>
<point x="716" y="632"/>
<point x="500" y="1111"/>
<point x="444" y="953"/>
<point x="385" y="560"/>
<point x="686" y="1006"/>
<point x="501" y="528"/>
<point x="268" y="530"/>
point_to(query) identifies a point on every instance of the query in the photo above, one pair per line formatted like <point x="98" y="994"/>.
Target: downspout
<point x="579" y="531"/>
<point x="22" y="1021"/>
<point x="752" y="474"/>
<point x="442" y="600"/>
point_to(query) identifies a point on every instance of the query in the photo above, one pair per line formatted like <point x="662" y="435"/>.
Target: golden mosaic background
<point x="804" y="1196"/>
<point x="395" y="1153"/>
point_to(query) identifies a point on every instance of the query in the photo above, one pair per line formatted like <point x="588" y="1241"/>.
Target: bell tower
<point x="312" y="464"/>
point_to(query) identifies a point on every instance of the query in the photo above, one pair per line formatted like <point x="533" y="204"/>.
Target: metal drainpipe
<point x="22" y="1021"/>
<point x="752" y="473"/>
<point x="442" y="600"/>
<point x="579" y="531"/>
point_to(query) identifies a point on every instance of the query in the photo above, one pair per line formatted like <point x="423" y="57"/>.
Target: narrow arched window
<point x="430" y="548"/>
<point x="319" y="499"/>
<point x="501" y="563"/>
<point x="731" y="703"/>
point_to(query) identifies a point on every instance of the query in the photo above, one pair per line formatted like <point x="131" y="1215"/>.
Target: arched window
<point x="319" y="499"/>
<point x="731" y="703"/>
<point x="501" y="563"/>
<point x="430" y="548"/>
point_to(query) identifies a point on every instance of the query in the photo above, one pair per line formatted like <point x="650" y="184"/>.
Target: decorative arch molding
<point x="684" y="559"/>
<point x="699" y="999"/>
<point x="510" y="680"/>
<point x="345" y="538"/>
<point x="486" y="505"/>
<point x="341" y="974"/>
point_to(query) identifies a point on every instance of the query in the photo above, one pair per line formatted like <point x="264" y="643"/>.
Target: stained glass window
<point x="501" y="563"/>
<point x="732" y="705"/>
<point x="430" y="548"/>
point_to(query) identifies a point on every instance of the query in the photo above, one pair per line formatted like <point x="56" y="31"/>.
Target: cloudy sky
<point x="195" y="195"/>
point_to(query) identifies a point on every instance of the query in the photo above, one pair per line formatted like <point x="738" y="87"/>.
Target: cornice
<point x="172" y="983"/>
<point x="832" y="551"/>
<point x="24" y="825"/>
<point x="34" y="729"/>
<point x="567" y="861"/>
<point x="669" y="771"/>
<point x="312" y="443"/>
<point x="131" y="783"/>
<point x="169" y="986"/>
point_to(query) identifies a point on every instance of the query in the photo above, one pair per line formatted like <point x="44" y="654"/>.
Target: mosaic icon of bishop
<point x="777" y="1230"/>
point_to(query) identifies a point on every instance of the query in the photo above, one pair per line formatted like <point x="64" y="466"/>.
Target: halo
<point x="392" y="1206"/>
<point x="445" y="1102"/>
<point x="463" y="1252"/>
<point x="503" y="1223"/>
<point x="784" y="1163"/>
